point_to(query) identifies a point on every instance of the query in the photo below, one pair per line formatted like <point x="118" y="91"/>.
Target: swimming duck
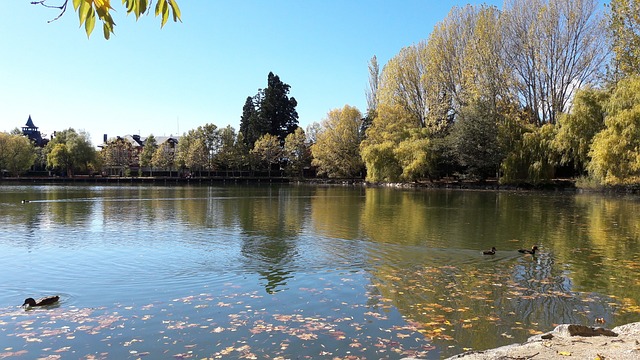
<point x="527" y="251"/>
<point x="490" y="252"/>
<point x="49" y="300"/>
<point x="25" y="201"/>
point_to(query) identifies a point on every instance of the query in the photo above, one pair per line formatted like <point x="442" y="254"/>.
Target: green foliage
<point x="70" y="151"/>
<point x="165" y="156"/>
<point x="615" y="152"/>
<point x="533" y="158"/>
<point x="577" y="129"/>
<point x="416" y="158"/>
<point x="297" y="152"/>
<point x="381" y="162"/>
<point x="474" y="139"/>
<point x="336" y="151"/>
<point x="150" y="147"/>
<point x="17" y="153"/>
<point x="268" y="150"/>
<point x="270" y="111"/>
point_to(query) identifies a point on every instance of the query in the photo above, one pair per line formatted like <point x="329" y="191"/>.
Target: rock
<point x="568" y="330"/>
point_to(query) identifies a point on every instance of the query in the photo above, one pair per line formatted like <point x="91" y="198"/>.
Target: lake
<point x="285" y="271"/>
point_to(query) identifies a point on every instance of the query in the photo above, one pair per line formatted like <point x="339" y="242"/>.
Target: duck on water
<point x="490" y="252"/>
<point x="49" y="300"/>
<point x="527" y="251"/>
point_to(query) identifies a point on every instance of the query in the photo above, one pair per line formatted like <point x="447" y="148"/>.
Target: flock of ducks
<point x="523" y="251"/>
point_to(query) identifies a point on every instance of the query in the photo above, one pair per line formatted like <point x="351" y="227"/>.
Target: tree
<point x="337" y="148"/>
<point x="165" y="156"/>
<point x="70" y="151"/>
<point x="624" y="28"/>
<point x="192" y="150"/>
<point x="17" y="153"/>
<point x="268" y="150"/>
<point x="474" y="138"/>
<point x="533" y="158"/>
<point x="89" y="10"/>
<point x="577" y="129"/>
<point x="554" y="47"/>
<point x="297" y="152"/>
<point x="150" y="147"/>
<point x="615" y="152"/>
<point x="117" y="155"/>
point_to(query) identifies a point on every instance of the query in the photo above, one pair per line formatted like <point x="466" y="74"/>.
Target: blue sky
<point x="147" y="80"/>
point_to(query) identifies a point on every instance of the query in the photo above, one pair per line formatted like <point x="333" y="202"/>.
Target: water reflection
<point x="419" y="251"/>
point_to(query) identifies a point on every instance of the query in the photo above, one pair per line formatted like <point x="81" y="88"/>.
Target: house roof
<point x="30" y="123"/>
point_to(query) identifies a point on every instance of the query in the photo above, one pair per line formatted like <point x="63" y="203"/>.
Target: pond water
<point x="278" y="272"/>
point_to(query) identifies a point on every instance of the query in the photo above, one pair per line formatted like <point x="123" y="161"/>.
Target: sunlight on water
<point x="306" y="271"/>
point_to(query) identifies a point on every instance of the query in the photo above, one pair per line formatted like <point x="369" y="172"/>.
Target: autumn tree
<point x="577" y="129"/>
<point x="17" y="153"/>
<point x="615" y="151"/>
<point x="117" y="155"/>
<point x="624" y="27"/>
<point x="336" y="152"/>
<point x="268" y="150"/>
<point x="554" y="48"/>
<point x="91" y="10"/>
<point x="70" y="151"/>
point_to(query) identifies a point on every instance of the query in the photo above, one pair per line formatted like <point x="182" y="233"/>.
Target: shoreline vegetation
<point x="554" y="185"/>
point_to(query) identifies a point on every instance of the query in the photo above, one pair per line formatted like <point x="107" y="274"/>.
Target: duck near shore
<point x="49" y="300"/>
<point x="527" y="251"/>
<point x="490" y="252"/>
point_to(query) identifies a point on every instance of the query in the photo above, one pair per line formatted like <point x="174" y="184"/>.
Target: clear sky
<point x="146" y="80"/>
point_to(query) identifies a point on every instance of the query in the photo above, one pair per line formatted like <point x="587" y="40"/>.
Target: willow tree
<point x="577" y="129"/>
<point x="91" y="10"/>
<point x="554" y="48"/>
<point x="615" y="152"/>
<point x="70" y="151"/>
<point x="336" y="151"/>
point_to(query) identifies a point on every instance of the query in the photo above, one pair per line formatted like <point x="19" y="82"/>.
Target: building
<point x="31" y="131"/>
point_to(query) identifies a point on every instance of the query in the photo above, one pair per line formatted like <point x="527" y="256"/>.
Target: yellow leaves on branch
<point x="88" y="10"/>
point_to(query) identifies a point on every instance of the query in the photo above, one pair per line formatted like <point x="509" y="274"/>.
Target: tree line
<point x="532" y="91"/>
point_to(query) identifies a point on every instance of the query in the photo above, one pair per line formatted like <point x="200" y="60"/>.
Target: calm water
<point x="306" y="272"/>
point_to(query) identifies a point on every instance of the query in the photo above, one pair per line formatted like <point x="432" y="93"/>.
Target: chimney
<point x="104" y="138"/>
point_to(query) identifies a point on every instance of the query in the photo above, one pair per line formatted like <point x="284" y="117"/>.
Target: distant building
<point x="31" y="131"/>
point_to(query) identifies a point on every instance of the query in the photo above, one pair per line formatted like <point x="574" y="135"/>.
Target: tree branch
<point x="62" y="8"/>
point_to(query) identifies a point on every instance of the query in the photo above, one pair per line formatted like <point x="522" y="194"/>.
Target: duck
<point x="25" y="201"/>
<point x="49" y="300"/>
<point x="527" y="251"/>
<point x="490" y="252"/>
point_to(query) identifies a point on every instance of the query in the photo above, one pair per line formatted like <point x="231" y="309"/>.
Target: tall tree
<point x="624" y="27"/>
<point x="337" y="148"/>
<point x="554" y="47"/>
<point x="277" y="109"/>
<point x="165" y="157"/>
